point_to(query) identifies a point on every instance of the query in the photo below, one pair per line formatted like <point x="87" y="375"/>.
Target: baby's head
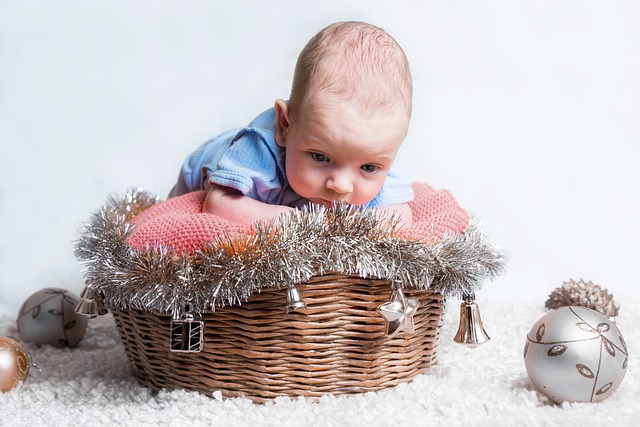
<point x="347" y="115"/>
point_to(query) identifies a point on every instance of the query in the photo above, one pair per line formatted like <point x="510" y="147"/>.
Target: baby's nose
<point x="340" y="183"/>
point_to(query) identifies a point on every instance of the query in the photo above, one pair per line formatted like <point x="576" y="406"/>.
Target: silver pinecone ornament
<point x="583" y="294"/>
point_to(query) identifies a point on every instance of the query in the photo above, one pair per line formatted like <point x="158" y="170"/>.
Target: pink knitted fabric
<point x="179" y="222"/>
<point x="435" y="213"/>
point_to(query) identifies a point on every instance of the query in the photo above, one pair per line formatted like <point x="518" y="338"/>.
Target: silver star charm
<point x="398" y="313"/>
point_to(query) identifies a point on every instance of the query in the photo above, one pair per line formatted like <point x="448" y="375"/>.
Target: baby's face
<point x="335" y="154"/>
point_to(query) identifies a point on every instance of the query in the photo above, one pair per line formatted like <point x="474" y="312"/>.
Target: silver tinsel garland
<point x="285" y="252"/>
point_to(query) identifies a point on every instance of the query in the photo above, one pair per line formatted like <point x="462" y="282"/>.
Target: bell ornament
<point x="471" y="331"/>
<point x="294" y="300"/>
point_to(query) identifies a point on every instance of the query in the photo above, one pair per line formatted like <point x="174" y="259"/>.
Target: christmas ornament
<point x="187" y="334"/>
<point x="14" y="364"/>
<point x="575" y="354"/>
<point x="470" y="329"/>
<point x="48" y="317"/>
<point x="583" y="294"/>
<point x="294" y="300"/>
<point x="90" y="304"/>
<point x="398" y="313"/>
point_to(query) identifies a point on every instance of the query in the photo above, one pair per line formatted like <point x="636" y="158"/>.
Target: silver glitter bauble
<point x="48" y="317"/>
<point x="575" y="354"/>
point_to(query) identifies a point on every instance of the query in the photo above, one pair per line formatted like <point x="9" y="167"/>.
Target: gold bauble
<point x="14" y="364"/>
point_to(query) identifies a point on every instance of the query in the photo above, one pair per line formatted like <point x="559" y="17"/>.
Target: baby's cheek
<point x="369" y="191"/>
<point x="304" y="182"/>
<point x="378" y="186"/>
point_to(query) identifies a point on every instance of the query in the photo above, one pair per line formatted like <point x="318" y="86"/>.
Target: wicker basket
<point x="337" y="345"/>
<point x="246" y="344"/>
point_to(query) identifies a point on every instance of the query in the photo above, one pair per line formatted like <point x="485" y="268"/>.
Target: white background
<point x="527" y="111"/>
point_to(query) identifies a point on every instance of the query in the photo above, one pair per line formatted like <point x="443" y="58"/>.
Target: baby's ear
<point x="282" y="122"/>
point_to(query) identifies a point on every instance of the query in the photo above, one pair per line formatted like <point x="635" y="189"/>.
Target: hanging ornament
<point x="575" y="354"/>
<point x="90" y="304"/>
<point x="48" y="317"/>
<point x="583" y="294"/>
<point x="14" y="364"/>
<point x="187" y="334"/>
<point x="470" y="328"/>
<point x="398" y="313"/>
<point x="294" y="300"/>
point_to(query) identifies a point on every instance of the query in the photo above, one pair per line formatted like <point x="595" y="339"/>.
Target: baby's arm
<point x="403" y="212"/>
<point x="233" y="206"/>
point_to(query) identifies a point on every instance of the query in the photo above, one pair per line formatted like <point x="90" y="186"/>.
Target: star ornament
<point x="398" y="313"/>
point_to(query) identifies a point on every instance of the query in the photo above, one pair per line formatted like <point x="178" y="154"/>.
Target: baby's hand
<point x="233" y="206"/>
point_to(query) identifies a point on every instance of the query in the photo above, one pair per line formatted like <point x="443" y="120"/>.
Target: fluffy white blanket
<point x="93" y="385"/>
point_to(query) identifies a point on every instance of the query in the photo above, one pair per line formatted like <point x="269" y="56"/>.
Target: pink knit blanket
<point x="179" y="222"/>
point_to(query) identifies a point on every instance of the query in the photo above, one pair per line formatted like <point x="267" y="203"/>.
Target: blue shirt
<point x="250" y="161"/>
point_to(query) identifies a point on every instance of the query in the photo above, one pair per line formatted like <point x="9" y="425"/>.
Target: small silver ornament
<point x="90" y="304"/>
<point x="48" y="317"/>
<point x="294" y="300"/>
<point x="187" y="334"/>
<point x="575" y="354"/>
<point x="398" y="313"/>
<point x="471" y="331"/>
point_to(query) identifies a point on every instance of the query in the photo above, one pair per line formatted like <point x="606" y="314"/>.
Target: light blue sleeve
<point x="251" y="165"/>
<point x="395" y="190"/>
<point x="245" y="159"/>
<point x="194" y="172"/>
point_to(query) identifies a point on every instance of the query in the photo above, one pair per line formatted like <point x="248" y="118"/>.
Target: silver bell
<point x="470" y="329"/>
<point x="91" y="304"/>
<point x="294" y="300"/>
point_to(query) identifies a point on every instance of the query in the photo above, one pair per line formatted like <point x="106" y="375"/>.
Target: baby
<point x="335" y="139"/>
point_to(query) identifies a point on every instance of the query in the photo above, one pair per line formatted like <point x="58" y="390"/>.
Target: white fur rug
<point x="93" y="385"/>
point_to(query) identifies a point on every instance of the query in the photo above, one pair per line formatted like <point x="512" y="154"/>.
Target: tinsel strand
<point x="280" y="253"/>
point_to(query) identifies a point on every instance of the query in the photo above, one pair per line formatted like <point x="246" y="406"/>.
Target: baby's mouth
<point x="323" y="202"/>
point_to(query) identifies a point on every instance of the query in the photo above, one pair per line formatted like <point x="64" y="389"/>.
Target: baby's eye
<point x="369" y="168"/>
<point x="319" y="157"/>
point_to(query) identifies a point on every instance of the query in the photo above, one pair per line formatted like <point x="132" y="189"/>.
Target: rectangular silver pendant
<point x="187" y="334"/>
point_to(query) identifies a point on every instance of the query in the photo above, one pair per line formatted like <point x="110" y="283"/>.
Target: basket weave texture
<point x="337" y="345"/>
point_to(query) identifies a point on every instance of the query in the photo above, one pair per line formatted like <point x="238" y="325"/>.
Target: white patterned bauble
<point x="575" y="354"/>
<point x="48" y="317"/>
